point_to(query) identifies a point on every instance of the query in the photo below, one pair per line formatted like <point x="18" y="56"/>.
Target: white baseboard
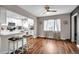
<point x="77" y="45"/>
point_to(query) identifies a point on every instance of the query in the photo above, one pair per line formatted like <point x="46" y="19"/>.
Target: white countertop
<point x="7" y="32"/>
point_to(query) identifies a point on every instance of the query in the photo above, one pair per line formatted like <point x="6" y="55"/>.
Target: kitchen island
<point x="5" y="35"/>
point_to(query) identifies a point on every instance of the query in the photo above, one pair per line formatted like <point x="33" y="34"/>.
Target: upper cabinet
<point x="2" y="15"/>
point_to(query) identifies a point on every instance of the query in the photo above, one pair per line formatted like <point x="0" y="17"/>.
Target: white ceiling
<point x="14" y="15"/>
<point x="39" y="11"/>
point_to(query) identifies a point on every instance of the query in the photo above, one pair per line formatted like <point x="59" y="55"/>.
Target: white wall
<point x="2" y="15"/>
<point x="0" y="38"/>
<point x="2" y="20"/>
<point x="65" y="28"/>
<point x="78" y="29"/>
<point x="72" y="29"/>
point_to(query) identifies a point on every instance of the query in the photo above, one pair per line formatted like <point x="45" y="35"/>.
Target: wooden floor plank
<point x="52" y="46"/>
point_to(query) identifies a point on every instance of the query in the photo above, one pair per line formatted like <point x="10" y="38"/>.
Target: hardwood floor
<point x="52" y="46"/>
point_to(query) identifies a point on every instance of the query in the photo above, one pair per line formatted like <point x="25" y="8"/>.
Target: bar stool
<point x="12" y="39"/>
<point x="21" y="38"/>
<point x="26" y="45"/>
<point x="28" y="37"/>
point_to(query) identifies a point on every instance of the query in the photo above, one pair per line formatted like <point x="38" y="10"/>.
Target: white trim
<point x="75" y="14"/>
<point x="72" y="37"/>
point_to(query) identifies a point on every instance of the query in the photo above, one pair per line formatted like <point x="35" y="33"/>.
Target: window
<point x="19" y="22"/>
<point x="28" y="23"/>
<point x="52" y="25"/>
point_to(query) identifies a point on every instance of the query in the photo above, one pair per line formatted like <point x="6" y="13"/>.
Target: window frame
<point x="54" y="30"/>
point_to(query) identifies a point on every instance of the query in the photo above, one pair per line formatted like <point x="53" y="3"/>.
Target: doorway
<point x="75" y="29"/>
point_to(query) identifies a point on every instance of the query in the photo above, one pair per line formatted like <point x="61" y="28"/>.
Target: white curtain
<point x="57" y="28"/>
<point x="53" y="25"/>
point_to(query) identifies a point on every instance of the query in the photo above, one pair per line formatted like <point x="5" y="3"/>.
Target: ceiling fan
<point x="48" y="9"/>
